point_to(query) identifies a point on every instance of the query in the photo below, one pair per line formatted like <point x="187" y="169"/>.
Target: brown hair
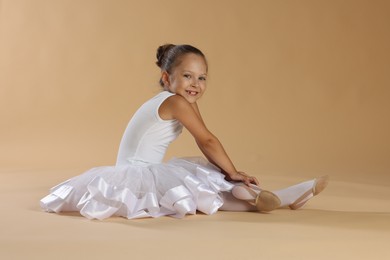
<point x="169" y="56"/>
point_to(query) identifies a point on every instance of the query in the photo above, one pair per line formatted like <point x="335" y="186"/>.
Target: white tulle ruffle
<point x="176" y="188"/>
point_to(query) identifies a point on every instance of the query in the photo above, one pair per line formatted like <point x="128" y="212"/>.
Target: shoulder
<point x="177" y="100"/>
<point x="176" y="107"/>
<point x="173" y="106"/>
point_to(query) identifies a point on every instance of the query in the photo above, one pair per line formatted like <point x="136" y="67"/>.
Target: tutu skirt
<point x="137" y="190"/>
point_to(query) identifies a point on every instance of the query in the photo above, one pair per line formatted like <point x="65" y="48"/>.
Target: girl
<point x="141" y="185"/>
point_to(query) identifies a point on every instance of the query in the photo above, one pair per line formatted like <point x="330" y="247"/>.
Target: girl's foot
<point x="266" y="201"/>
<point x="263" y="200"/>
<point x="319" y="185"/>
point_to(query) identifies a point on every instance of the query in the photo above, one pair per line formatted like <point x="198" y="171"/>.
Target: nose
<point x="195" y="82"/>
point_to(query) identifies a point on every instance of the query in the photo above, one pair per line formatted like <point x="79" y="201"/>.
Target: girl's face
<point x="188" y="79"/>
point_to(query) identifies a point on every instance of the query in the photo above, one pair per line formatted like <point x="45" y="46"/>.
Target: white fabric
<point x="178" y="187"/>
<point x="287" y="195"/>
<point x="290" y="194"/>
<point x="232" y="203"/>
<point x="147" y="136"/>
<point x="140" y="185"/>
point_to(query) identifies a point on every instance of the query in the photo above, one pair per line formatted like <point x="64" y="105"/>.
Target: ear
<point x="165" y="78"/>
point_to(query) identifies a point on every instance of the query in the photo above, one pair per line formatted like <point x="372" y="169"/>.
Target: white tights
<point x="238" y="198"/>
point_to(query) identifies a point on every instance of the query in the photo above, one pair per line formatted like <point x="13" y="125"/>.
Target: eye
<point x="202" y="78"/>
<point x="188" y="76"/>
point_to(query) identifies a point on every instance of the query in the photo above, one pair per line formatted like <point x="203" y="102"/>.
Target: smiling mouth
<point x="192" y="93"/>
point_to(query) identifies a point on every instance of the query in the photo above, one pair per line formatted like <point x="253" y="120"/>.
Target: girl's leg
<point x="231" y="203"/>
<point x="244" y="198"/>
<point x="297" y="195"/>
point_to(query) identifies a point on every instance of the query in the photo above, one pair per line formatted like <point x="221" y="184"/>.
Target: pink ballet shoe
<point x="265" y="201"/>
<point x="319" y="185"/>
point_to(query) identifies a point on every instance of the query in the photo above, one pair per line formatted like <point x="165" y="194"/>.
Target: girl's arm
<point x="176" y="107"/>
<point x="196" y="109"/>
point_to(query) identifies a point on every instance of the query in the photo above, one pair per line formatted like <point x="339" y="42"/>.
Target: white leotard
<point x="147" y="135"/>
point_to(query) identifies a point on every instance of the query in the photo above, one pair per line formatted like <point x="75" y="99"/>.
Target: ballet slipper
<point x="319" y="185"/>
<point x="264" y="201"/>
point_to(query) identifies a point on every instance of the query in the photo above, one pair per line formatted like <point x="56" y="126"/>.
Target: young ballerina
<point x="141" y="185"/>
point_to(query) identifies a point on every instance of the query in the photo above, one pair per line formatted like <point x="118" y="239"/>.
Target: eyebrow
<point x="203" y="74"/>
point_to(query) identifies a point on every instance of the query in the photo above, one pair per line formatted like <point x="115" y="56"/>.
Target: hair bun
<point x="161" y="51"/>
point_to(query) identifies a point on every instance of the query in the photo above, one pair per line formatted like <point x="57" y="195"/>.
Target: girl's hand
<point x="242" y="176"/>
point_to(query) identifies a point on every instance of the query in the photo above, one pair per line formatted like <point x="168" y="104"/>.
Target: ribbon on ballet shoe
<point x="299" y="203"/>
<point x="319" y="185"/>
<point x="263" y="200"/>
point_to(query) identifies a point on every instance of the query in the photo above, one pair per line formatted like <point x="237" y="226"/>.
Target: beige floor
<point x="349" y="220"/>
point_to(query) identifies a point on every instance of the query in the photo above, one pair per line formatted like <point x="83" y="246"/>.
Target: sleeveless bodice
<point x="147" y="135"/>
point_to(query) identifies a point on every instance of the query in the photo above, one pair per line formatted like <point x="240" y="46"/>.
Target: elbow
<point x="208" y="143"/>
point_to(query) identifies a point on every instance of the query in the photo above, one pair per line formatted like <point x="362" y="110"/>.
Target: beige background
<point x="296" y="89"/>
